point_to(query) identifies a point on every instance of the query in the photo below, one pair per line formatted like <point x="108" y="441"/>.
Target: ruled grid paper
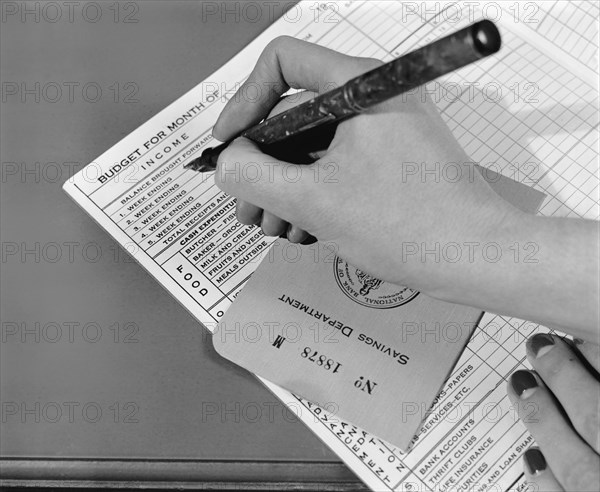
<point x="543" y="130"/>
<point x="570" y="26"/>
<point x="524" y="113"/>
<point x="535" y="121"/>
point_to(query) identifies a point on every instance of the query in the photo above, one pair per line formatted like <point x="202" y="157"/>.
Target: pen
<point x="310" y="126"/>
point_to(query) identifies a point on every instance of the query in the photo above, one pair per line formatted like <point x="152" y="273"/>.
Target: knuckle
<point x="277" y="44"/>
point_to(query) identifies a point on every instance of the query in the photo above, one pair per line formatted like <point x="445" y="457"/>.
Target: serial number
<point x="321" y="360"/>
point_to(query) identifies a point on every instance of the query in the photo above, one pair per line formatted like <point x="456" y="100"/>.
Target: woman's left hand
<point x="559" y="402"/>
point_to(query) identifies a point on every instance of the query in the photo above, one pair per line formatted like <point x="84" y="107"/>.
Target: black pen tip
<point x="207" y="162"/>
<point x="193" y="163"/>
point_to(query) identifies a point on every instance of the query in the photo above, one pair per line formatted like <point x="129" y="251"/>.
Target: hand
<point x="379" y="197"/>
<point x="271" y="224"/>
<point x="560" y="405"/>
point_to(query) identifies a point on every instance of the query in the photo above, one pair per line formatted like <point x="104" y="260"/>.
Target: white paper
<point x="530" y="112"/>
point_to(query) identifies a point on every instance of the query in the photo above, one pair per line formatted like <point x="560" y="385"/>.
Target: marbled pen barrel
<point x="394" y="78"/>
<point x="309" y="127"/>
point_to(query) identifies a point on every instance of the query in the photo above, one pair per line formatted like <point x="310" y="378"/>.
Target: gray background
<point x="162" y="378"/>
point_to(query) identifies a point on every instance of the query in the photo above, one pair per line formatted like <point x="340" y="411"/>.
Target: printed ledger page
<point x="529" y="112"/>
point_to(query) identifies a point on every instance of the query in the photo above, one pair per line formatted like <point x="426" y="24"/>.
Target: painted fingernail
<point x="535" y="461"/>
<point x="524" y="383"/>
<point x="541" y="344"/>
<point x="309" y="240"/>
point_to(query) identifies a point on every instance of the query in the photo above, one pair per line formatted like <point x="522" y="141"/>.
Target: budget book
<point x="530" y="113"/>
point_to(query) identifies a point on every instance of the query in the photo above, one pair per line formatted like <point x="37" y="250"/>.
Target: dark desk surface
<point x="97" y="360"/>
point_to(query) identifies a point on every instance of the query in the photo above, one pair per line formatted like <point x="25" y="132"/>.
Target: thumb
<point x="271" y="184"/>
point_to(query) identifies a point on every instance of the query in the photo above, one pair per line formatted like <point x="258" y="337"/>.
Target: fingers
<point x="273" y="225"/>
<point x="251" y="176"/>
<point x="296" y="235"/>
<point x="538" y="473"/>
<point x="574" y="464"/>
<point x="590" y="351"/>
<point x="286" y="62"/>
<point x="573" y="385"/>
<point x="248" y="214"/>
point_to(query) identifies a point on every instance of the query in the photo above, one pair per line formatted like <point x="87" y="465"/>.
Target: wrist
<point x="465" y="270"/>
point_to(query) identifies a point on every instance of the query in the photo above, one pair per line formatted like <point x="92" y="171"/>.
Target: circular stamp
<point x="370" y="291"/>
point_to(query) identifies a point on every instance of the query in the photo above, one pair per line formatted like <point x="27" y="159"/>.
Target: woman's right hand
<point x="394" y="178"/>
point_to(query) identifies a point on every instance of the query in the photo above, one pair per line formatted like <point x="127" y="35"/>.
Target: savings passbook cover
<point x="373" y="353"/>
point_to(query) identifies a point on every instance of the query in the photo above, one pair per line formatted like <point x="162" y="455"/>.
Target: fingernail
<point x="523" y="382"/>
<point x="536" y="463"/>
<point x="541" y="344"/>
<point x="578" y="341"/>
<point x="309" y="240"/>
